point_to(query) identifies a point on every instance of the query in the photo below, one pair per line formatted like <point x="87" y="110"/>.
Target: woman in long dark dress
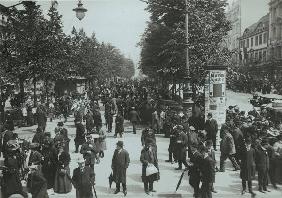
<point x="11" y="175"/>
<point x="48" y="165"/>
<point x="62" y="176"/>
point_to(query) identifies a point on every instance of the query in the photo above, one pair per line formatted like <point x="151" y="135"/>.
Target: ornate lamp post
<point x="80" y="10"/>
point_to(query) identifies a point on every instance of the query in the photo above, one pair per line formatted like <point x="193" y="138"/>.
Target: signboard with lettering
<point x="215" y="95"/>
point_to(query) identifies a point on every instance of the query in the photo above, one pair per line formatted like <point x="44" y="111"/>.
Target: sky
<point x="119" y="22"/>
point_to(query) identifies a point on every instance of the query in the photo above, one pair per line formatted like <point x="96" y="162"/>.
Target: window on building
<point x="260" y="56"/>
<point x="260" y="39"/>
<point x="265" y="37"/>
<point x="252" y="42"/>
<point x="248" y="43"/>
<point x="256" y="55"/>
<point x="264" y="56"/>
<point x="278" y="52"/>
<point x="256" y="41"/>
<point x="243" y="43"/>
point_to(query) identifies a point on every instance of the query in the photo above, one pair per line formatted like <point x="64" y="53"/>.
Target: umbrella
<point x="111" y="180"/>
<point x="180" y="179"/>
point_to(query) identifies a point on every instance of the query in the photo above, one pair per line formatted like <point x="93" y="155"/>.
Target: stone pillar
<point x="215" y="93"/>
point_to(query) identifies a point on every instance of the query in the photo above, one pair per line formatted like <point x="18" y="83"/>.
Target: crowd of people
<point x="237" y="81"/>
<point x="44" y="162"/>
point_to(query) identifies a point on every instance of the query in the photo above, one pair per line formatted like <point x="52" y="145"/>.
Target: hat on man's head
<point x="120" y="143"/>
<point x="80" y="160"/>
<point x="47" y="134"/>
<point x="39" y="130"/>
<point x="264" y="142"/>
<point x="60" y="124"/>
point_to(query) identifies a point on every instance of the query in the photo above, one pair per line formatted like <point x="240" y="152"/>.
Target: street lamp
<point x="80" y="10"/>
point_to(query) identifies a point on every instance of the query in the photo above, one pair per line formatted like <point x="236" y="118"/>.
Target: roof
<point x="260" y="26"/>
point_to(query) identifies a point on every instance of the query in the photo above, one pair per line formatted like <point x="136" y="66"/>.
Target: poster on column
<point x="215" y="95"/>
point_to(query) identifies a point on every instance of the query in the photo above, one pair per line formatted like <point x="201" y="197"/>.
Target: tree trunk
<point x="47" y="89"/>
<point x="34" y="93"/>
<point x="21" y="88"/>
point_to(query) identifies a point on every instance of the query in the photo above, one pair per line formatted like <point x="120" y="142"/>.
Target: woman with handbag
<point x="150" y="169"/>
<point x="62" y="176"/>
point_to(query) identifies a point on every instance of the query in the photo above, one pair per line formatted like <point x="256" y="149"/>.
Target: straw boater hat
<point x="80" y="160"/>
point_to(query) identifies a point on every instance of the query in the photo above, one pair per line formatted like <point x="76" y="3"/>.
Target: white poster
<point x="215" y="95"/>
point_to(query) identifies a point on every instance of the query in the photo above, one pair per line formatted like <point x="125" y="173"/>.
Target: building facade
<point x="254" y="43"/>
<point x="233" y="14"/>
<point x="275" y="29"/>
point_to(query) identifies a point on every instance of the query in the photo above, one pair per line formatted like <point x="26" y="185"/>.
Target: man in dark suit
<point x="120" y="163"/>
<point x="134" y="118"/>
<point x="181" y="147"/>
<point x="5" y="137"/>
<point x="262" y="163"/>
<point x="207" y="173"/>
<point x="80" y="135"/>
<point x="83" y="179"/>
<point x="89" y="152"/>
<point x="211" y="128"/>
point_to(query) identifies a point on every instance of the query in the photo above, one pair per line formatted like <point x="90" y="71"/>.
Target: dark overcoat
<point x="80" y="134"/>
<point x="120" y="163"/>
<point x="181" y="144"/>
<point x="62" y="178"/>
<point x="211" y="128"/>
<point x="37" y="185"/>
<point x="82" y="182"/>
<point x="262" y="159"/>
<point x="247" y="164"/>
<point x="38" y="138"/>
<point x="119" y="124"/>
<point x="11" y="177"/>
<point x="89" y="158"/>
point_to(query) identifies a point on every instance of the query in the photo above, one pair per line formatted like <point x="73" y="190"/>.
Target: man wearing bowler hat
<point x="211" y="128"/>
<point x="120" y="163"/>
<point x="83" y="180"/>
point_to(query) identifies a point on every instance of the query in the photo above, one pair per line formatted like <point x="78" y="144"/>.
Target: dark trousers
<point x="148" y="186"/>
<point x="110" y="124"/>
<point x="182" y="160"/>
<point x="262" y="178"/>
<point x="123" y="186"/>
<point x="206" y="190"/>
<point x="244" y="185"/>
<point x="271" y="171"/>
<point x="134" y="123"/>
<point x="223" y="157"/>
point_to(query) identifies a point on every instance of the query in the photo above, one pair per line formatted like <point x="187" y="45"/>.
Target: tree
<point x="163" y="43"/>
<point x="25" y="44"/>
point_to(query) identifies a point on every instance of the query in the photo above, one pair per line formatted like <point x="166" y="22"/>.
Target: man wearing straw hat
<point x="83" y="179"/>
<point x="120" y="163"/>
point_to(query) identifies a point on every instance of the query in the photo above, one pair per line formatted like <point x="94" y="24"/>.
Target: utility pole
<point x="187" y="38"/>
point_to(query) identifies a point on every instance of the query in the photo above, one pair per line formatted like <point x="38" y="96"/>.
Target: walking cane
<point x="95" y="193"/>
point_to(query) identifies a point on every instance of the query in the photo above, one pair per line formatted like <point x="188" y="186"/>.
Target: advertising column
<point x="215" y="93"/>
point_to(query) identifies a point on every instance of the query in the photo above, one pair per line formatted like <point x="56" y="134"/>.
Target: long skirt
<point x="62" y="181"/>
